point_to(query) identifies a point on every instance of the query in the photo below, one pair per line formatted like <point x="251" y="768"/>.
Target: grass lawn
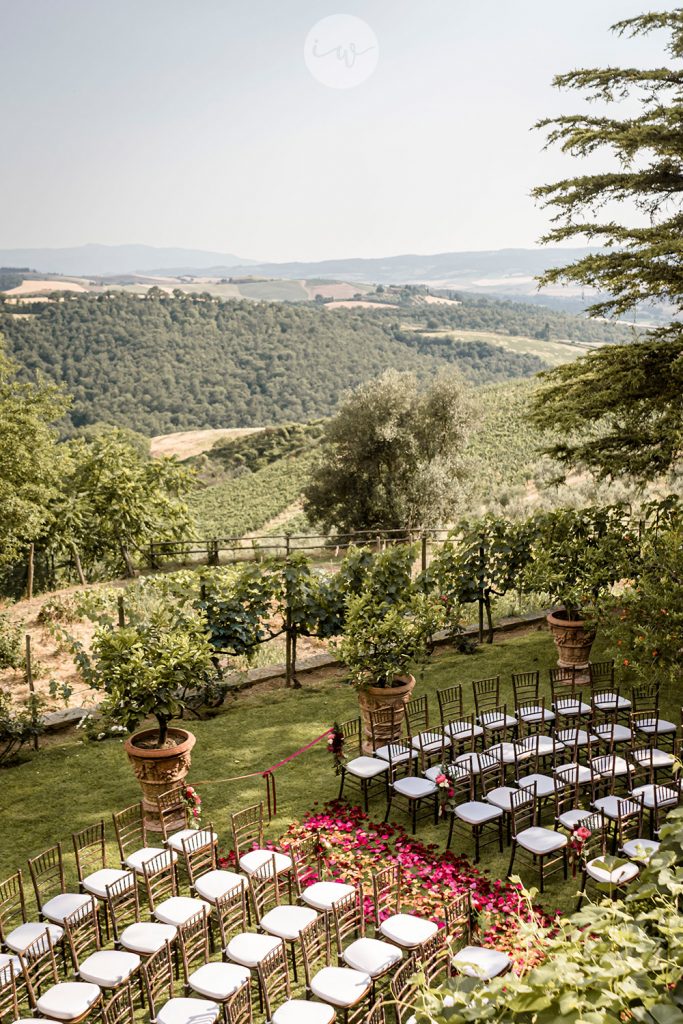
<point x="67" y="786"/>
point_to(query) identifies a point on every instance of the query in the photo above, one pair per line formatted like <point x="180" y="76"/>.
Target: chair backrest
<point x="12" y="904"/>
<point x="630" y="819"/>
<point x="450" y="704"/>
<point x="47" y="874"/>
<point x="247" y="829"/>
<point x="603" y="768"/>
<point x="9" y="1002"/>
<point x="123" y="903"/>
<point x="567" y="794"/>
<point x="601" y="673"/>
<point x="193" y="937"/>
<point x="649" y="721"/>
<point x="404" y="990"/>
<point x="539" y="758"/>
<point x="595" y="845"/>
<point x="645" y="697"/>
<point x="386" y="892"/>
<point x="264" y="888"/>
<point x="377" y="1014"/>
<point x="273" y="975"/>
<point x="160" y="879"/>
<point x="157" y="974"/>
<point x="315" y="948"/>
<point x="562" y="682"/>
<point x="351" y="731"/>
<point x="348" y="920"/>
<point x="82" y="933"/>
<point x="200" y="852"/>
<point x="523" y="809"/>
<point x="306" y="861"/>
<point x="130" y="829"/>
<point x="458" y="916"/>
<point x="417" y="715"/>
<point x="493" y="721"/>
<point x="666" y="796"/>
<point x="119" y="1009"/>
<point x="433" y="957"/>
<point x="491" y="772"/>
<point x="564" y="706"/>
<point x="237" y="1009"/>
<point x="486" y="694"/>
<point x="461" y="779"/>
<point x="39" y="967"/>
<point x="173" y="809"/>
<point x="387" y="725"/>
<point x="231" y="913"/>
<point x="525" y="687"/>
<point x="90" y="849"/>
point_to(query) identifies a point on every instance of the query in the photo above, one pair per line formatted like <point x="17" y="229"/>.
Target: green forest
<point x="164" y="363"/>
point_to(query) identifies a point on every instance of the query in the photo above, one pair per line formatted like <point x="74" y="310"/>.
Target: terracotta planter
<point x="373" y="697"/>
<point x="573" y="639"/>
<point x="159" y="770"/>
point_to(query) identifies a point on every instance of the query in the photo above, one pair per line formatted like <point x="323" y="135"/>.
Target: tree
<point x="392" y="456"/>
<point x="618" y="411"/>
<point x="30" y="460"/>
<point x="116" y="499"/>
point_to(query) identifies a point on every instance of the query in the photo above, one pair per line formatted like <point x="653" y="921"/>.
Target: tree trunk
<point x="295" y="682"/>
<point x="77" y="562"/>
<point x="29" y="579"/>
<point x="163" y="730"/>
<point x="125" y="554"/>
<point x="489" y="619"/>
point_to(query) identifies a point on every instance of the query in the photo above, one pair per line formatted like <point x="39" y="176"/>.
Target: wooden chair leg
<point x="512" y="857"/>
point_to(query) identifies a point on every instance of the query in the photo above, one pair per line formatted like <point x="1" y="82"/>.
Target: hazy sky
<point x="198" y="123"/>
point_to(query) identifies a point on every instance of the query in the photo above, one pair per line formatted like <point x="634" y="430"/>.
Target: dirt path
<point x="279" y="520"/>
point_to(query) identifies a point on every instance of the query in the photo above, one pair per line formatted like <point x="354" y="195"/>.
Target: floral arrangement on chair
<point x="193" y="802"/>
<point x="446" y="793"/>
<point x="335" y="746"/>
<point x="577" y="841"/>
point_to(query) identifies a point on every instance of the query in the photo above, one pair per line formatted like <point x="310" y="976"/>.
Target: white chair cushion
<point x="535" y="713"/>
<point x="570" y="819"/>
<point x="544" y="745"/>
<point x="414" y="787"/>
<point x="658" y="725"/>
<point x="617" y="876"/>
<point x="66" y="903"/>
<point x="640" y="849"/>
<point x="494" y="720"/>
<point x="340" y="986"/>
<point x="463" y="730"/>
<point x="179" y="909"/>
<point x="541" y="840"/>
<point x="505" y="752"/>
<point x="175" y="842"/>
<point x="366" y="767"/>
<point x="217" y="980"/>
<point x="68" y="1000"/>
<point x="140" y="857"/>
<point x="286" y="922"/>
<point x="574" y="772"/>
<point x="568" y="707"/>
<point x="321" y="895"/>
<point x="398" y="751"/>
<point x="470" y="760"/>
<point x="146" y="937"/>
<point x="545" y="784"/>
<point x="431" y="773"/>
<point x="615" y="733"/>
<point x="97" y="882"/>
<point x="608" y="702"/>
<point x="481" y="962"/>
<point x="108" y="968"/>
<point x="22" y="936"/>
<point x="372" y="956"/>
<point x="250" y="948"/>
<point x="188" y="1011"/>
<point x="501" y="797"/>
<point x="476" y="813"/>
<point x="609" y="805"/>
<point x="303" y="1011"/>
<point x="667" y="797"/>
<point x="256" y="859"/>
<point x="215" y="884"/>
<point x="652" y="757"/>
<point x="408" y="930"/>
<point x="7" y="959"/>
<point x="429" y="742"/>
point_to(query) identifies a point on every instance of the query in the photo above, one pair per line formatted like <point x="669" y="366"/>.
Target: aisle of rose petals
<point x="354" y="846"/>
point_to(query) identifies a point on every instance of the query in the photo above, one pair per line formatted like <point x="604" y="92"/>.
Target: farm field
<point x="554" y="353"/>
<point x="186" y="443"/>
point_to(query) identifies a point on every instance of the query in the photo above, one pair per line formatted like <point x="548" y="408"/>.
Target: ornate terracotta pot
<point x="372" y="697"/>
<point x="573" y="639"/>
<point x="159" y="770"/>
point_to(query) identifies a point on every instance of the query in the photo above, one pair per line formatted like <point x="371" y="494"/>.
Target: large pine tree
<point x="619" y="411"/>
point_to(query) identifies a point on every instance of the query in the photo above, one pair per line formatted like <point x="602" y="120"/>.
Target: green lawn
<point x="67" y="786"/>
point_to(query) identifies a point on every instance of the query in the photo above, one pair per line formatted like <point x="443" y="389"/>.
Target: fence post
<point x="29" y="580"/>
<point x="32" y="691"/>
<point x="152" y="556"/>
<point x="122" y="611"/>
<point x="212" y="552"/>
<point x="424" y="552"/>
<point x="482" y="566"/>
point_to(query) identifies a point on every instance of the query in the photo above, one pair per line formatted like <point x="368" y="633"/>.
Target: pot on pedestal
<point x="573" y="638"/>
<point x="371" y="698"/>
<point x="159" y="769"/>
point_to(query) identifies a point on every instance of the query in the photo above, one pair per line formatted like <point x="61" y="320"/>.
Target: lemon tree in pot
<point x="144" y="671"/>
<point x="578" y="555"/>
<point x="382" y="641"/>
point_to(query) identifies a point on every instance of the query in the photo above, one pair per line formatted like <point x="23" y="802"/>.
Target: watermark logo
<point x="341" y="51"/>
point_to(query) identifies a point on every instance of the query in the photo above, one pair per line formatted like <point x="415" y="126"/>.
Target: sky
<point x="221" y="124"/>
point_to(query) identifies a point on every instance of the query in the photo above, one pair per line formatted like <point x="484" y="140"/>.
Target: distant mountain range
<point x="499" y="271"/>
